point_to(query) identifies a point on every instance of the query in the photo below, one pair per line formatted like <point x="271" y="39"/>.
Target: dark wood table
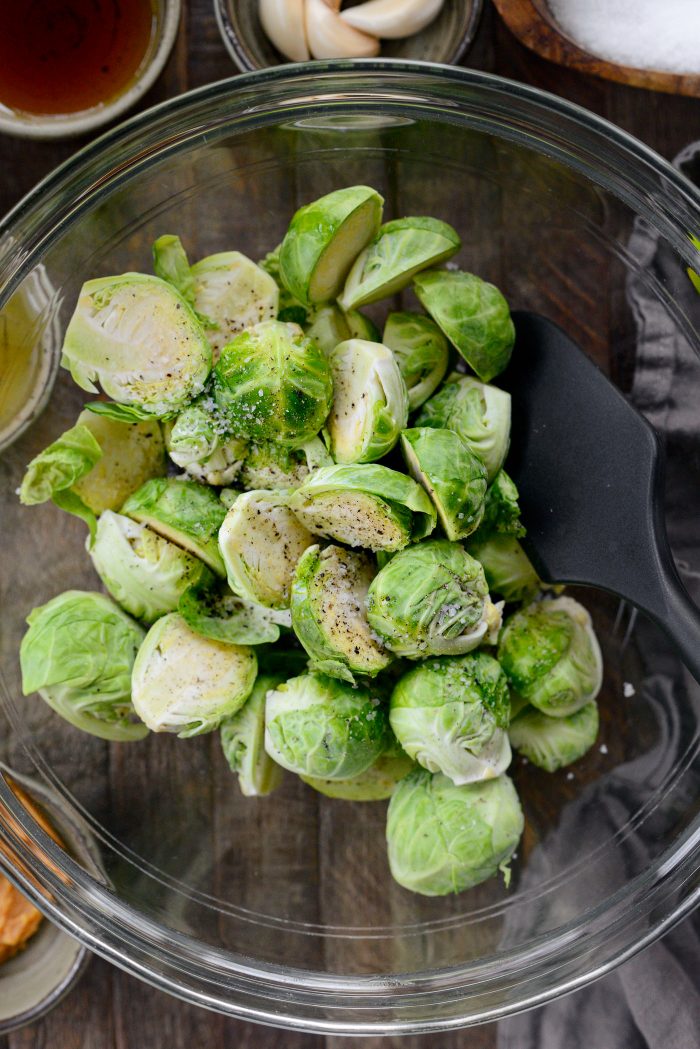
<point x="110" y="1010"/>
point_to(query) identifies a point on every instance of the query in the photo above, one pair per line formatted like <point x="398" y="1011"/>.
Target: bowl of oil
<point x="69" y="66"/>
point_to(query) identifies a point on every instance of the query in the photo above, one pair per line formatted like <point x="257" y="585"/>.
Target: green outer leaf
<point x="290" y="309"/>
<point x="507" y="568"/>
<point x="328" y="617"/>
<point x="553" y="743"/>
<point x="272" y="383"/>
<point x="444" y="838"/>
<point x="421" y="352"/>
<point x="78" y="654"/>
<point x="479" y="413"/>
<point x="430" y="599"/>
<point x="59" y="466"/>
<point x="73" y="504"/>
<point x="317" y="229"/>
<point x="370" y="402"/>
<point x="473" y="315"/>
<point x="400" y="249"/>
<point x="185" y="512"/>
<point x="243" y="742"/>
<point x="215" y="613"/>
<point x="452" y="475"/>
<point x="125" y="413"/>
<point x="171" y="264"/>
<point x="319" y="726"/>
<point x="501" y="509"/>
<point x="187" y="684"/>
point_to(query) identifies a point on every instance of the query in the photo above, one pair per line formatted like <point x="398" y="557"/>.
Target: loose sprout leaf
<point x="553" y="743"/>
<point x="171" y="264"/>
<point x="243" y="742"/>
<point x="324" y="239"/>
<point x="73" y="504"/>
<point x="508" y="570"/>
<point x="290" y="309"/>
<point x="501" y="509"/>
<point x="215" y="612"/>
<point x="400" y="250"/>
<point x="473" y="315"/>
<point x="60" y="465"/>
<point x="123" y="413"/>
<point x="421" y="352"/>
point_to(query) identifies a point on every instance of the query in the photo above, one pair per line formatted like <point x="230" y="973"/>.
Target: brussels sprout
<point x="272" y="383"/>
<point x="143" y="572"/>
<point x="289" y="309"/>
<point x="78" y="654"/>
<point x="432" y="599"/>
<point x="198" y="442"/>
<point x="473" y="315"/>
<point x="445" y="838"/>
<point x="320" y="727"/>
<point x="551" y="656"/>
<point x="507" y="567"/>
<point x="377" y="783"/>
<point x="452" y="475"/>
<point x="421" y="352"/>
<point x="501" y="509"/>
<point x="324" y="239"/>
<point x="451" y="715"/>
<point x="243" y="742"/>
<point x="139" y="339"/>
<point x="364" y="505"/>
<point x="185" y="512"/>
<point x="480" y="414"/>
<point x="185" y="683"/>
<point x="370" y="403"/>
<point x="261" y="542"/>
<point x="274" y="467"/>
<point x="553" y="743"/>
<point x="400" y="249"/>
<point x="329" y="325"/>
<point x="210" y="609"/>
<point x="227" y="290"/>
<point x="329" y="590"/>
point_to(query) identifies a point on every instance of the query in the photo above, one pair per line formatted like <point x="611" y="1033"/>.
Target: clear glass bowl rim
<point x="291" y="997"/>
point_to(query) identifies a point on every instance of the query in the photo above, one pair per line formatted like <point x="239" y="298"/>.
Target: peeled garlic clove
<point x="283" y="22"/>
<point x="392" y="19"/>
<point x="329" y="36"/>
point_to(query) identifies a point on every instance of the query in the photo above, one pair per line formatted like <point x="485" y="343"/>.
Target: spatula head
<point x="586" y="464"/>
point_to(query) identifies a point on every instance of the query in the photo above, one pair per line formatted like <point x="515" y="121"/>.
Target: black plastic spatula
<point x="589" y="471"/>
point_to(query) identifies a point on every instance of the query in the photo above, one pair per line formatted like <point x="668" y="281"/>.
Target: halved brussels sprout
<point x="274" y="467"/>
<point x="508" y="569"/>
<point x="321" y="727"/>
<point x="210" y="609"/>
<point x="94" y="466"/>
<point x="272" y="383"/>
<point x="501" y="509"/>
<point x="452" y="715"/>
<point x="421" y="352"/>
<point x="329" y="617"/>
<point x="78" y="654"/>
<point x="243" y="742"/>
<point x="370" y="403"/>
<point x="139" y="339"/>
<point x="473" y="315"/>
<point x="329" y="325"/>
<point x="227" y="290"/>
<point x="445" y="838"/>
<point x="400" y="249"/>
<point x="197" y="440"/>
<point x="185" y="512"/>
<point x="261" y="541"/>
<point x="551" y="656"/>
<point x="185" y="683"/>
<point x="324" y="239"/>
<point x="377" y="783"/>
<point x="480" y="414"/>
<point x="364" y="505"/>
<point x="431" y="600"/>
<point x="452" y="475"/>
<point x="145" y="573"/>
<point x="553" y="743"/>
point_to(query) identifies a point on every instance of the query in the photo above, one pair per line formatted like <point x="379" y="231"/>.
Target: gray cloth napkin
<point x="653" y="1000"/>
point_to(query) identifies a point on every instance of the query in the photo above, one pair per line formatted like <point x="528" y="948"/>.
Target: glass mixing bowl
<point x="282" y="909"/>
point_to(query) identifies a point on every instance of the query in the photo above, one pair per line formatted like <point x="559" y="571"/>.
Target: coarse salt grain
<point x="603" y="749"/>
<point x="662" y="35"/>
<point x="628" y="689"/>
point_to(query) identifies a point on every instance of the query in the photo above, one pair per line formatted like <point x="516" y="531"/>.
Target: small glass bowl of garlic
<point x="261" y="33"/>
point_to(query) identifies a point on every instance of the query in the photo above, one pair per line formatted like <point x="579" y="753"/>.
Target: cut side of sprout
<point x="357" y="519"/>
<point x="233" y="293"/>
<point x="370" y="402"/>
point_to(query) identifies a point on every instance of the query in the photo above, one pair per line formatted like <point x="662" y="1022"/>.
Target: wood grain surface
<point x="110" y="1010"/>
<point x="533" y="25"/>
